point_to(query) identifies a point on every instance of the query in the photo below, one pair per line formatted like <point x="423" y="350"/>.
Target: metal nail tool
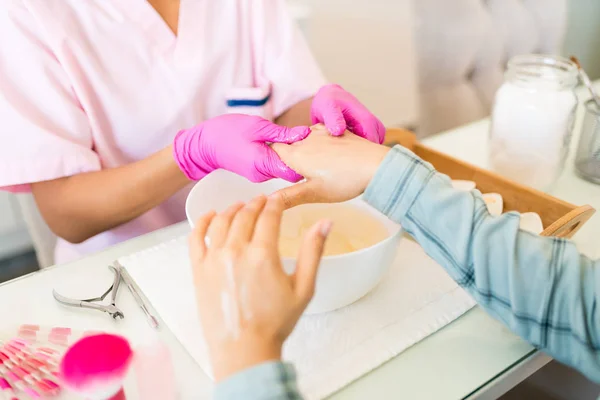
<point x="93" y="303"/>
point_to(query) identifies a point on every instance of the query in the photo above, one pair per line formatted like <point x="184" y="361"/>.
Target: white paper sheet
<point x="415" y="299"/>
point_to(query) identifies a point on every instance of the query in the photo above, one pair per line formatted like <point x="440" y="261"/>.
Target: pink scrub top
<point x="94" y="84"/>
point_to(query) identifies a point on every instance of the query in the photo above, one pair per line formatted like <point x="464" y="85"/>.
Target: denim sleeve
<point x="542" y="288"/>
<point x="268" y="381"/>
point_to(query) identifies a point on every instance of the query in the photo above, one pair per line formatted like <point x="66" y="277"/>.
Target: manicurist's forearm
<point x="542" y="288"/>
<point x="297" y="115"/>
<point x="81" y="206"/>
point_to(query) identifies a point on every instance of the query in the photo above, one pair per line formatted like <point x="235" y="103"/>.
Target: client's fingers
<point x="219" y="226"/>
<point x="309" y="258"/>
<point x="242" y="226"/>
<point x="196" y="239"/>
<point x="266" y="232"/>
<point x="300" y="193"/>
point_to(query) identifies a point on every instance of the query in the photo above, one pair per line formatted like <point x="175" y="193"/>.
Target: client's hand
<point x="248" y="305"/>
<point x="336" y="168"/>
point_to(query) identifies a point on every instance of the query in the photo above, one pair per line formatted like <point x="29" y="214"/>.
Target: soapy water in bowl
<point x="354" y="228"/>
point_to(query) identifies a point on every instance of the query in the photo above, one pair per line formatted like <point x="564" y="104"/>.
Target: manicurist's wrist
<point x="173" y="166"/>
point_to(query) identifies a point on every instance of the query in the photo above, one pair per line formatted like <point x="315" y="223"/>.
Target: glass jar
<point x="587" y="158"/>
<point x="532" y="119"/>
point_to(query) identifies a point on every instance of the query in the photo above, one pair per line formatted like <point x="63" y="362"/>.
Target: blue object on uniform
<point x="248" y="102"/>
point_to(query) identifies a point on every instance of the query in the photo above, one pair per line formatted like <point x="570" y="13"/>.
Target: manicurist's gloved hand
<point x="339" y="111"/>
<point x="237" y="143"/>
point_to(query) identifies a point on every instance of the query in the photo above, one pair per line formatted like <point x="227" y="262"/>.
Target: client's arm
<point x="274" y="380"/>
<point x="542" y="288"/>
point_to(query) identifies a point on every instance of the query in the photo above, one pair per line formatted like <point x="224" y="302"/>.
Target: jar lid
<point x="545" y="68"/>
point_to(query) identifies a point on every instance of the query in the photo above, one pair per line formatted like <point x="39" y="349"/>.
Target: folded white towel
<point x="330" y="350"/>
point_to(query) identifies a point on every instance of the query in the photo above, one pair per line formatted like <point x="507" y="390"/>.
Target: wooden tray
<point x="560" y="219"/>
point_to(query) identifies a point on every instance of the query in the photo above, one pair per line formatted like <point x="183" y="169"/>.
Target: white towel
<point x="415" y="299"/>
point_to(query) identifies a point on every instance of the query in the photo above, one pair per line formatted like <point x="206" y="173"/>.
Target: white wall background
<point x="583" y="34"/>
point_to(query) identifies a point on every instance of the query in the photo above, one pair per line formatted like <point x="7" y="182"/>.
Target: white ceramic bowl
<point x="342" y="279"/>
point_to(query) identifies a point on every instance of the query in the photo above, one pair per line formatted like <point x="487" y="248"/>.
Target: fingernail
<point x="326" y="228"/>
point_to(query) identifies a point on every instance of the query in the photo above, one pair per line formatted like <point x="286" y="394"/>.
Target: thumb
<point x="334" y="120"/>
<point x="281" y="134"/>
<point x="271" y="166"/>
<point x="309" y="258"/>
<point x="300" y="193"/>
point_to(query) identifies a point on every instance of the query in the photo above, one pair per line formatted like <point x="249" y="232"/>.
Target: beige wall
<point x="367" y="47"/>
<point x="583" y="34"/>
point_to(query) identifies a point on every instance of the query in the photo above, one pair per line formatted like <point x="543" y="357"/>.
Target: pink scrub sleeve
<point x="44" y="132"/>
<point x="288" y="62"/>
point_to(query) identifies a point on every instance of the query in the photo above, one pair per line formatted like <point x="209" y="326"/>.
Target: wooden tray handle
<point x="394" y="136"/>
<point x="565" y="227"/>
<point x="570" y="223"/>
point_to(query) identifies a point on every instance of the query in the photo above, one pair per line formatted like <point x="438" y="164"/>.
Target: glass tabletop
<point x="453" y="363"/>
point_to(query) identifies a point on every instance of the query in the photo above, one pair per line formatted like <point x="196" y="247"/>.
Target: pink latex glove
<point x="338" y="110"/>
<point x="237" y="143"/>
